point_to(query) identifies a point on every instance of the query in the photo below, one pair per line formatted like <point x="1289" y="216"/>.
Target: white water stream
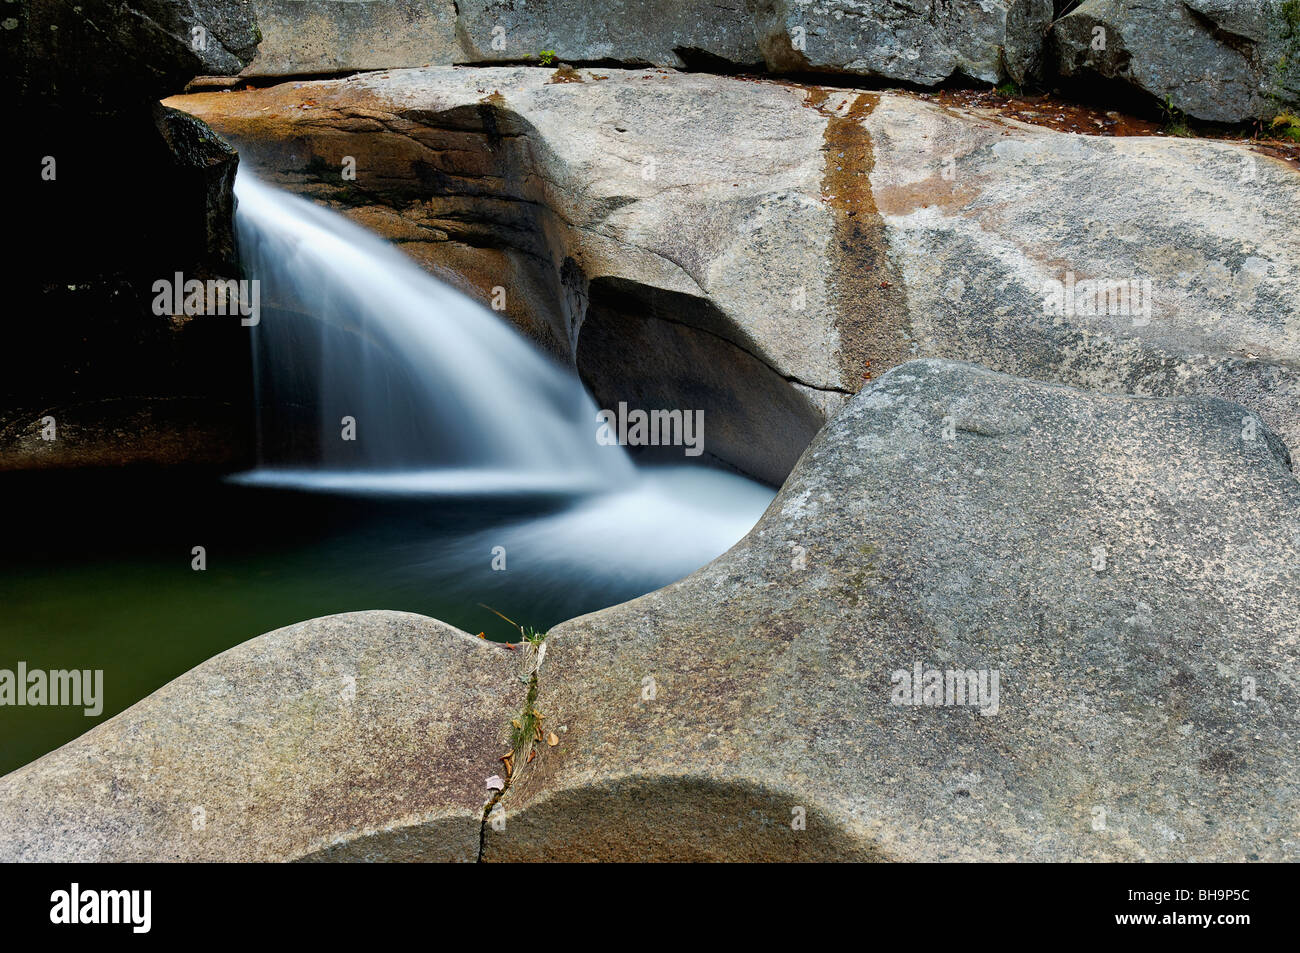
<point x="450" y="400"/>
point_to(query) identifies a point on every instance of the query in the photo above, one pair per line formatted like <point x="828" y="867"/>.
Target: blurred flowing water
<point x="473" y="448"/>
<point x="450" y="401"/>
<point x="432" y="378"/>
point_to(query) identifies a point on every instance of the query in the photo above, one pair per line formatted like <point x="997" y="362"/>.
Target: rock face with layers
<point x="1217" y="60"/>
<point x="99" y="55"/>
<point x="125" y="193"/>
<point x="1113" y="577"/>
<point x="835" y="235"/>
<point x="924" y="42"/>
<point x="366" y="736"/>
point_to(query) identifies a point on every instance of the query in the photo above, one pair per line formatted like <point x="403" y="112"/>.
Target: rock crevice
<point x="1217" y="60"/>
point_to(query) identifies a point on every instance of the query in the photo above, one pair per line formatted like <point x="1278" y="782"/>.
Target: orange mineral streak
<point x="866" y="289"/>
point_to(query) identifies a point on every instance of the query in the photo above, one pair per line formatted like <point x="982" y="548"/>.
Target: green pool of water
<point x="95" y="573"/>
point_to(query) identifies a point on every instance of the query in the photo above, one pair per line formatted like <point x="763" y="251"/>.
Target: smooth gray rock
<point x="320" y="36"/>
<point x="983" y="214"/>
<point x="364" y="736"/>
<point x="1216" y="60"/>
<point x="303" y="37"/>
<point x="672" y="33"/>
<point x="1128" y="566"/>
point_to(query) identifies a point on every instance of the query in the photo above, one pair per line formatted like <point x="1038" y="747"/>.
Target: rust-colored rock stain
<point x="866" y="290"/>
<point x="565" y="74"/>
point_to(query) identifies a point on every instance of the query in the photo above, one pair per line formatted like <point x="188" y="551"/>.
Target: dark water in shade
<point x="95" y="567"/>
<point x="470" y="440"/>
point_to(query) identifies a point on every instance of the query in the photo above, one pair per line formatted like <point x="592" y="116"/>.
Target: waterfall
<point x="442" y="392"/>
<point x="450" y="400"/>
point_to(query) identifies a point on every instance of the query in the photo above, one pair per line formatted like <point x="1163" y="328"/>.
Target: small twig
<point x="507" y="618"/>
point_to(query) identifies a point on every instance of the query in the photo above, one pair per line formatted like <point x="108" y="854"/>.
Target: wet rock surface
<point x="127" y="193"/>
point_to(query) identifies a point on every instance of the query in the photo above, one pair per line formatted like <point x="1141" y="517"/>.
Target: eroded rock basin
<point x="1146" y="661"/>
<point x="134" y="602"/>
<point x="736" y="244"/>
<point x="1099" y="524"/>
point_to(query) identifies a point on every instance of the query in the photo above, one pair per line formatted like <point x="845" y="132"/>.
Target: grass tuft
<point x="1286" y="126"/>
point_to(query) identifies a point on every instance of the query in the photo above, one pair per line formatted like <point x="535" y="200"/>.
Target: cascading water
<point x="430" y="378"/>
<point x="475" y="480"/>
<point x="449" y="400"/>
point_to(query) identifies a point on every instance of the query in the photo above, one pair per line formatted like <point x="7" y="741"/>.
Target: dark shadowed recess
<point x="661" y="350"/>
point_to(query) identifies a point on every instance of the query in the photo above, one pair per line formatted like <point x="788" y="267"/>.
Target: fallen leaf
<point x="552" y="739"/>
